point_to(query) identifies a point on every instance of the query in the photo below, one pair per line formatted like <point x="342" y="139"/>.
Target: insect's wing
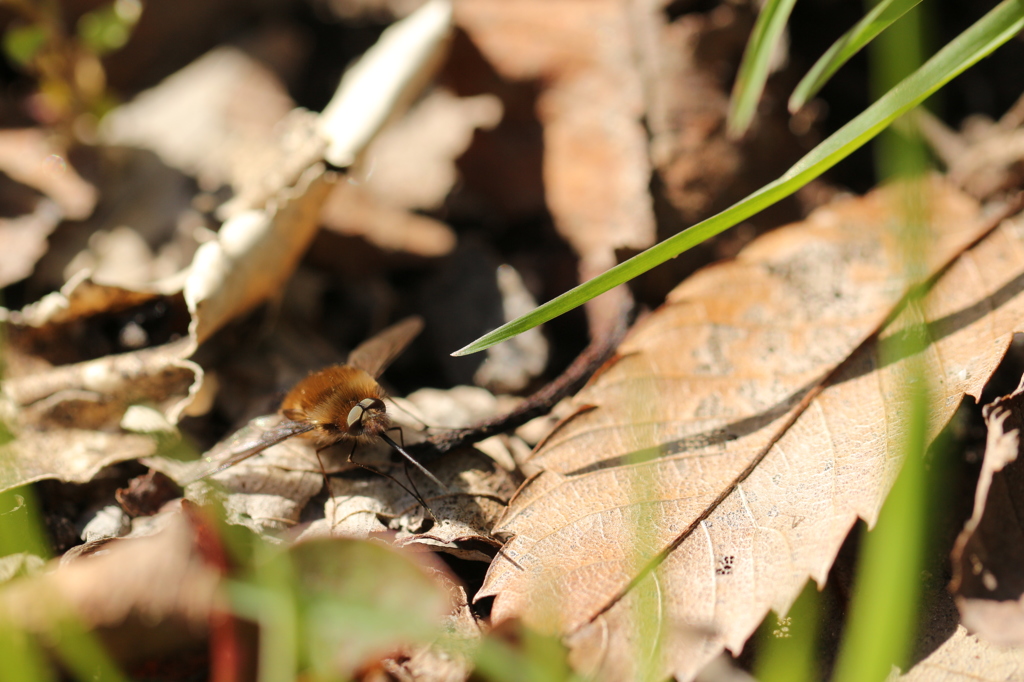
<point x="243" y="445"/>
<point x="376" y="353"/>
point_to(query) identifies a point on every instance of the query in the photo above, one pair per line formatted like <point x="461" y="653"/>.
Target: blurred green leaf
<point x="757" y="58"/>
<point x="1001" y="24"/>
<point x="21" y="526"/>
<point x="535" y="657"/>
<point x="23" y="43"/>
<point x="877" y="20"/>
<point x="338" y="603"/>
<point x="786" y="644"/>
<point x="22" y="659"/>
<point x="106" y="29"/>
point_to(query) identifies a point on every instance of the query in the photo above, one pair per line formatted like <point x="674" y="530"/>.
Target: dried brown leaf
<point x="596" y="167"/>
<point x="988" y="558"/>
<point x="696" y="453"/>
<point x="78" y="299"/>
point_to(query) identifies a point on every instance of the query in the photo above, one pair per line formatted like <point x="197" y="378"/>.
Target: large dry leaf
<point x="699" y="453"/>
<point x="988" y="559"/>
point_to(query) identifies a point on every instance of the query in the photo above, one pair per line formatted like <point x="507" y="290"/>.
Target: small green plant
<point x="71" y="80"/>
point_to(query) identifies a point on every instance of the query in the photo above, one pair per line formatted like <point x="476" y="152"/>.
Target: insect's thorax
<point x="327" y="398"/>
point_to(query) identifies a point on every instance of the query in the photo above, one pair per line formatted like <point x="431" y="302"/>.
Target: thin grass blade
<point x="753" y="73"/>
<point x="881" y="16"/>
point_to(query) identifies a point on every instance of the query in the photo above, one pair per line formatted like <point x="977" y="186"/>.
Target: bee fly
<point x="343" y="403"/>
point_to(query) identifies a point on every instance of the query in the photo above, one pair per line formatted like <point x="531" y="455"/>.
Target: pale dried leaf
<point x="24" y="239"/>
<point x="966" y="658"/>
<point x="31" y="157"/>
<point x="383" y="80"/>
<point x="205" y="118"/>
<point x="265" y="493"/>
<point x="95" y="394"/>
<point x="411" y="164"/>
<point x="988" y="558"/>
<point x="371" y="93"/>
<point x="350" y="210"/>
<point x="511" y="366"/>
<point x="734" y="521"/>
<point x="453" y="408"/>
<point x="270" y="503"/>
<point x="69" y="455"/>
<point x="108" y="522"/>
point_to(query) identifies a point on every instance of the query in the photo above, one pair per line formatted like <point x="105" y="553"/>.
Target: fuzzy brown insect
<point x="332" y="405"/>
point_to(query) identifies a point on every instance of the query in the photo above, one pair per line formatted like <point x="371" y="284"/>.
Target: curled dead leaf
<point x="988" y="558"/>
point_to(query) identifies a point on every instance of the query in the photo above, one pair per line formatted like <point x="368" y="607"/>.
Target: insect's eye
<point x="355" y="415"/>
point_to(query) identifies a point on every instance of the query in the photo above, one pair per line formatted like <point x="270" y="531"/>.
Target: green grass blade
<point x="1003" y="22"/>
<point x="877" y="20"/>
<point x="753" y="73"/>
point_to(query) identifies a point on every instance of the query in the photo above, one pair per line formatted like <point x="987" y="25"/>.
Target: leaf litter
<point x="751" y="413"/>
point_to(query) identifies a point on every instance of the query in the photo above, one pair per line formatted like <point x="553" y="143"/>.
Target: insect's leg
<point x="416" y="496"/>
<point x="323" y="470"/>
<point x="401" y="434"/>
<point x="405" y="467"/>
